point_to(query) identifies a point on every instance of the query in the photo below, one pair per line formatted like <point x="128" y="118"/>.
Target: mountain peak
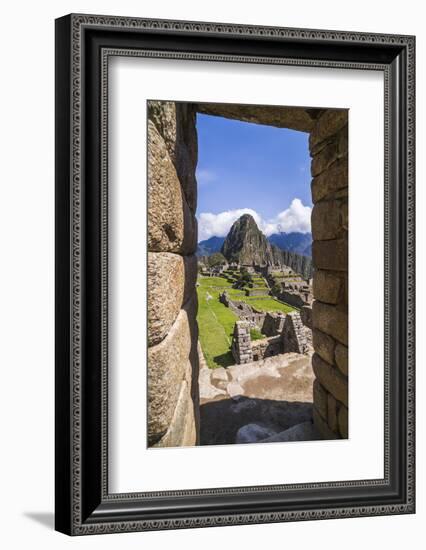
<point x="246" y="218"/>
<point x="246" y="244"/>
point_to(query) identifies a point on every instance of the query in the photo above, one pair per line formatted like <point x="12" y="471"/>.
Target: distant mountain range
<point x="246" y="244"/>
<point x="300" y="243"/>
<point x="210" y="246"/>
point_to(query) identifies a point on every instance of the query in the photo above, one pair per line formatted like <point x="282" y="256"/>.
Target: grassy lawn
<point x="267" y="303"/>
<point x="213" y="281"/>
<point x="216" y="325"/>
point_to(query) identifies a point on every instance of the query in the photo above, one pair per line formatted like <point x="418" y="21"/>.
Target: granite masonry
<point x="283" y="334"/>
<point x="173" y="394"/>
<point x="173" y="402"/>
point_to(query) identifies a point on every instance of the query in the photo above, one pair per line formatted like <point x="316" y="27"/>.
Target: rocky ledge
<point x="264" y="401"/>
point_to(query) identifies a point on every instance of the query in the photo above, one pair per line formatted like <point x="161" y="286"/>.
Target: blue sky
<point x="249" y="167"/>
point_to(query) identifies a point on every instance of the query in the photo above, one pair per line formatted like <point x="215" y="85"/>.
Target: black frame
<point x="83" y="44"/>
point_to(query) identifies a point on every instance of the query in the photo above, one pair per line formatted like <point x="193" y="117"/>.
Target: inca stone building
<point x="173" y="400"/>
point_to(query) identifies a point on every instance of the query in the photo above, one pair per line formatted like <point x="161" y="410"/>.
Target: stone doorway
<point x="173" y="399"/>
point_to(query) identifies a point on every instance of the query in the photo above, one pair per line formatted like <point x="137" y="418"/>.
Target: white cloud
<point x="218" y="225"/>
<point x="205" y="176"/>
<point x="296" y="217"/>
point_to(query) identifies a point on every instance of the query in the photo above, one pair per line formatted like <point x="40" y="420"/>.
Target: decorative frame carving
<point x="84" y="44"/>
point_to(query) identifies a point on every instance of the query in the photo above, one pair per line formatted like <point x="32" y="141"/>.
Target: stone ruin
<point x="273" y="323"/>
<point x="285" y="334"/>
<point x="244" y="311"/>
<point x="241" y="343"/>
<point x="296" y="337"/>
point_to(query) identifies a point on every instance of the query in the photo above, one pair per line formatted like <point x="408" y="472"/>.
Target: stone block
<point x="328" y="124"/>
<point x="219" y="378"/>
<point x="331" y="180"/>
<point x="321" y="425"/>
<point x="323" y="158"/>
<point x="342" y="141"/>
<point x="324" y="345"/>
<point x="330" y="255"/>
<point x="346" y="289"/>
<point x="332" y="413"/>
<point x="171" y="283"/>
<point x="331" y="378"/>
<point x="330" y="320"/>
<point x="167" y="364"/>
<point x="163" y="116"/>
<point x="281" y="117"/>
<point x="320" y="398"/>
<point x="329" y="219"/>
<point x="342" y="418"/>
<point x="166" y="283"/>
<point x="333" y="148"/>
<point x="327" y="286"/>
<point x="191" y="430"/>
<point x="341" y="358"/>
<point x="191" y="272"/>
<point x="181" y="431"/>
<point x="175" y="122"/>
<point x="306" y="316"/>
<point x="186" y="151"/>
<point x="172" y="227"/>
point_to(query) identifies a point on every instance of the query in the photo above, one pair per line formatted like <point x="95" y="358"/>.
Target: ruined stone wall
<point x="243" y="311"/>
<point x="257" y="292"/>
<point x="266" y="347"/>
<point x="173" y="402"/>
<point x="241" y="343"/>
<point x="296" y="337"/>
<point x="329" y="150"/>
<point x="273" y="323"/>
<point x="291" y="298"/>
<point x="306" y="316"/>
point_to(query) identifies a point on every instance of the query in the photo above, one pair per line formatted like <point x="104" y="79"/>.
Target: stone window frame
<point x="172" y="130"/>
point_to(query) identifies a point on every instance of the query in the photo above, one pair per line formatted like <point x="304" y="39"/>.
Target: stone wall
<point x="173" y="402"/>
<point x="306" y="316"/>
<point x="329" y="150"/>
<point x="296" y="337"/>
<point x="244" y="311"/>
<point x="293" y="298"/>
<point x="266" y="347"/>
<point x="241" y="343"/>
<point x="257" y="292"/>
<point x="273" y="323"/>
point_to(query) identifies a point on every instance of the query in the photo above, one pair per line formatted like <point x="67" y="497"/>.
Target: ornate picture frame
<point x="84" y="44"/>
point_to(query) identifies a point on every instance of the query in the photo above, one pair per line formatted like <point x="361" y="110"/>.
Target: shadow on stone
<point x="221" y="420"/>
<point x="224" y="360"/>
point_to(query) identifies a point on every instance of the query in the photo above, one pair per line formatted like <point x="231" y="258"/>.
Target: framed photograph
<point x="234" y="274"/>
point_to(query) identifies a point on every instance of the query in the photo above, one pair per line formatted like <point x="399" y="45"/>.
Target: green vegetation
<point x="255" y="334"/>
<point x="244" y="279"/>
<point x="267" y="303"/>
<point x="216" y="321"/>
<point x="216" y="325"/>
<point x="217" y="282"/>
<point x="276" y="288"/>
<point x="216" y="259"/>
